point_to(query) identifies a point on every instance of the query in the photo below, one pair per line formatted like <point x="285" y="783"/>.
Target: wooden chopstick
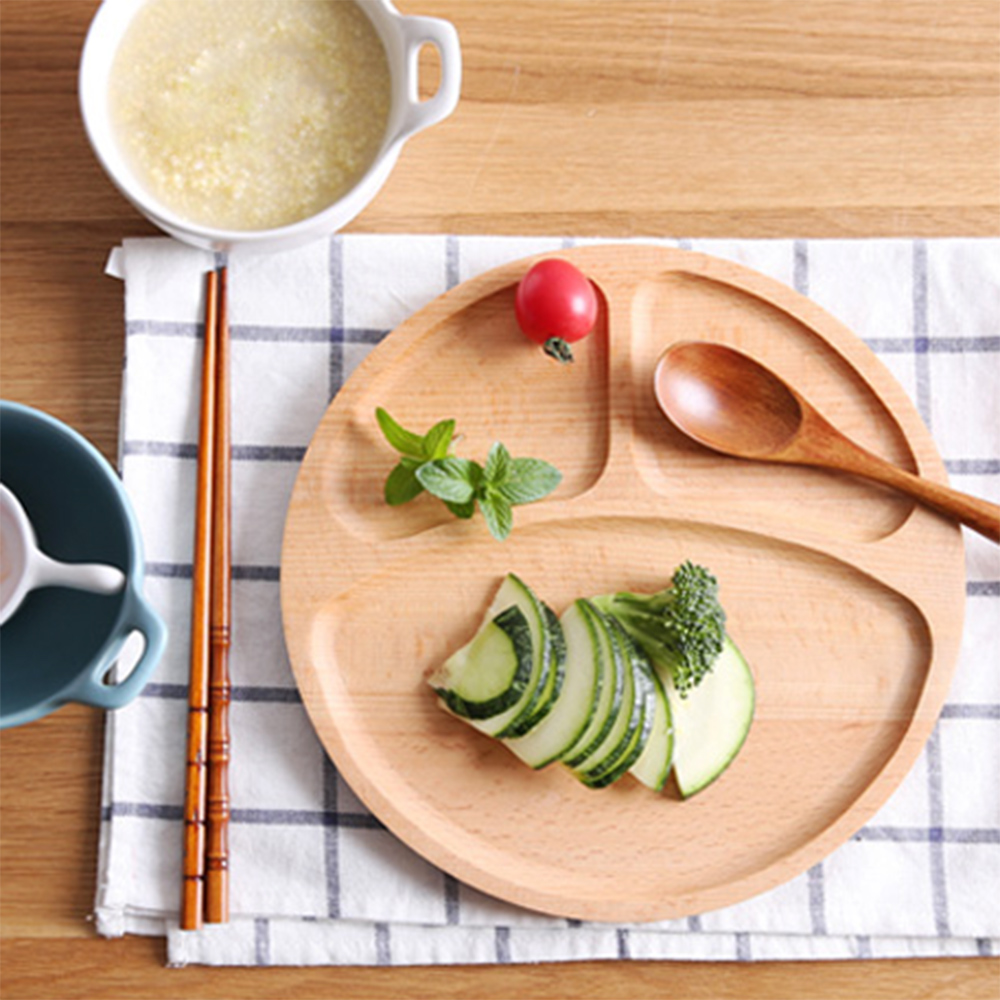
<point x="219" y="686"/>
<point x="206" y="800"/>
<point x="196" y="776"/>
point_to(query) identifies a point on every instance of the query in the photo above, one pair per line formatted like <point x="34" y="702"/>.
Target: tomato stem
<point x="556" y="347"/>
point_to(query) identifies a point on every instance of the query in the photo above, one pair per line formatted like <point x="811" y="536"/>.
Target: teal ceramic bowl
<point x="60" y="646"/>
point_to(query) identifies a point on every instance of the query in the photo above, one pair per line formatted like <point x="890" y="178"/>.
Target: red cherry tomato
<point x="556" y="305"/>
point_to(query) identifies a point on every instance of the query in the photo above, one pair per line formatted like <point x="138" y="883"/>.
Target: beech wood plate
<point x="847" y="600"/>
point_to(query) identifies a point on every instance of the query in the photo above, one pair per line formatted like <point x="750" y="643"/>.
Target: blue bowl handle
<point x="138" y="616"/>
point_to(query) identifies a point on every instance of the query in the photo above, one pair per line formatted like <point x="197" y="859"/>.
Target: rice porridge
<point x="250" y="114"/>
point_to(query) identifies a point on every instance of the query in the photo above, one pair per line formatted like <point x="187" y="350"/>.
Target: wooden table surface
<point x="696" y="118"/>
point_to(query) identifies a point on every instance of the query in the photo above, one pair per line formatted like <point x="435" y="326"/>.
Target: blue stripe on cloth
<point x="331" y="840"/>
<point x="800" y="267"/>
<point x="263" y="333"/>
<point x="971" y="711"/>
<point x="238" y="452"/>
<point x="184" y="571"/>
<point x="161" y="328"/>
<point x="335" y="269"/>
<point x="939" y="881"/>
<point x="325" y="819"/>
<point x="271" y="334"/>
<point x="817" y="899"/>
<point x="261" y="942"/>
<point x="239" y="692"/>
<point x="328" y="819"/>
<point x="743" y="953"/>
<point x="383" y="944"/>
<point x="622" y="940"/>
<point x="973" y="466"/>
<point x="452" y="262"/>
<point x="922" y="370"/>
<point x="452" y="899"/>
<point x="934" y="345"/>
<point x="930" y="834"/>
<point x="143" y="810"/>
<point x="501" y="944"/>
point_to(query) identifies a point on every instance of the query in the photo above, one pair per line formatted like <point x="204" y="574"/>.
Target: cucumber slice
<point x="626" y="718"/>
<point x="490" y="673"/>
<point x="653" y="765"/>
<point x="584" y="670"/>
<point x="635" y="729"/>
<point x="519" y="718"/>
<point x="556" y="675"/>
<point x="712" y="722"/>
<point x="610" y="693"/>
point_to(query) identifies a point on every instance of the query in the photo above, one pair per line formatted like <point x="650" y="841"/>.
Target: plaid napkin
<point x="316" y="879"/>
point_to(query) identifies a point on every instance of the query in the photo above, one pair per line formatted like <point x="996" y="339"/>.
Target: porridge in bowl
<point x="250" y="115"/>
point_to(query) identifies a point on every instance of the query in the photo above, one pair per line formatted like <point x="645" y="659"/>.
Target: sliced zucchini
<point x="556" y="675"/>
<point x="629" y="736"/>
<point x="610" y="694"/>
<point x="712" y="722"/>
<point x="652" y="768"/>
<point x="626" y="718"/>
<point x="520" y="717"/>
<point x="647" y="686"/>
<point x="490" y="673"/>
<point x="572" y="710"/>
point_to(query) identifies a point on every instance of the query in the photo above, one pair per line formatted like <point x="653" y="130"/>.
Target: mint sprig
<point x="462" y="484"/>
<point x="416" y="450"/>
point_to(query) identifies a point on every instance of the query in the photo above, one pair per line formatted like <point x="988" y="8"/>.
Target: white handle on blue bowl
<point x="417" y="32"/>
<point x="139" y="617"/>
<point x="97" y="577"/>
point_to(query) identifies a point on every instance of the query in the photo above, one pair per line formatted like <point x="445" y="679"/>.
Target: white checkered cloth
<point x="316" y="879"/>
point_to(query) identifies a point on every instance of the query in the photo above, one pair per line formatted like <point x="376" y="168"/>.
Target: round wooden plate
<point x="847" y="600"/>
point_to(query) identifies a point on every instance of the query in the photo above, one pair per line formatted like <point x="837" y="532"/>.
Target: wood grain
<point x="746" y="118"/>
<point x="637" y="499"/>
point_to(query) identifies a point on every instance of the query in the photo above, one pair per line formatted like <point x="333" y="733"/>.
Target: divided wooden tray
<point x="847" y="600"/>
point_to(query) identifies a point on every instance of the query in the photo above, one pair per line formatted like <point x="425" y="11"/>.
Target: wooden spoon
<point x="728" y="402"/>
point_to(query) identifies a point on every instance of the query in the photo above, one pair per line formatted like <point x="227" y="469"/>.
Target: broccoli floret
<point x="681" y="628"/>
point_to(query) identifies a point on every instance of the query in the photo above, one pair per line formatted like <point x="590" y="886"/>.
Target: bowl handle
<point x="138" y="617"/>
<point x="417" y="32"/>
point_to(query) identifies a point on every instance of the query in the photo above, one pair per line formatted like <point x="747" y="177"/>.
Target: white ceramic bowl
<point x="402" y="36"/>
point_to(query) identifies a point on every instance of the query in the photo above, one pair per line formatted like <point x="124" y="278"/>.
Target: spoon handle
<point x="980" y="515"/>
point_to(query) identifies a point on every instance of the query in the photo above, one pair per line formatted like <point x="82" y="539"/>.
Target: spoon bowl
<point x="700" y="386"/>
<point x="731" y="403"/>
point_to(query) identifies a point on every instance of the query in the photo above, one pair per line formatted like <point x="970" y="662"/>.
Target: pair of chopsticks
<point x="205" y="891"/>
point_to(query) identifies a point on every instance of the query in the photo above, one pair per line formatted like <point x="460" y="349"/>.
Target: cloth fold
<point x="316" y="879"/>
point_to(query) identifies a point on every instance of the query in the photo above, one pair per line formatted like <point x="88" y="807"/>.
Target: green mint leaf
<point x="453" y="480"/>
<point x="530" y="479"/>
<point x="437" y="440"/>
<point x="498" y="465"/>
<point x="404" y="441"/>
<point x="498" y="513"/>
<point x="462" y="510"/>
<point x="402" y="485"/>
